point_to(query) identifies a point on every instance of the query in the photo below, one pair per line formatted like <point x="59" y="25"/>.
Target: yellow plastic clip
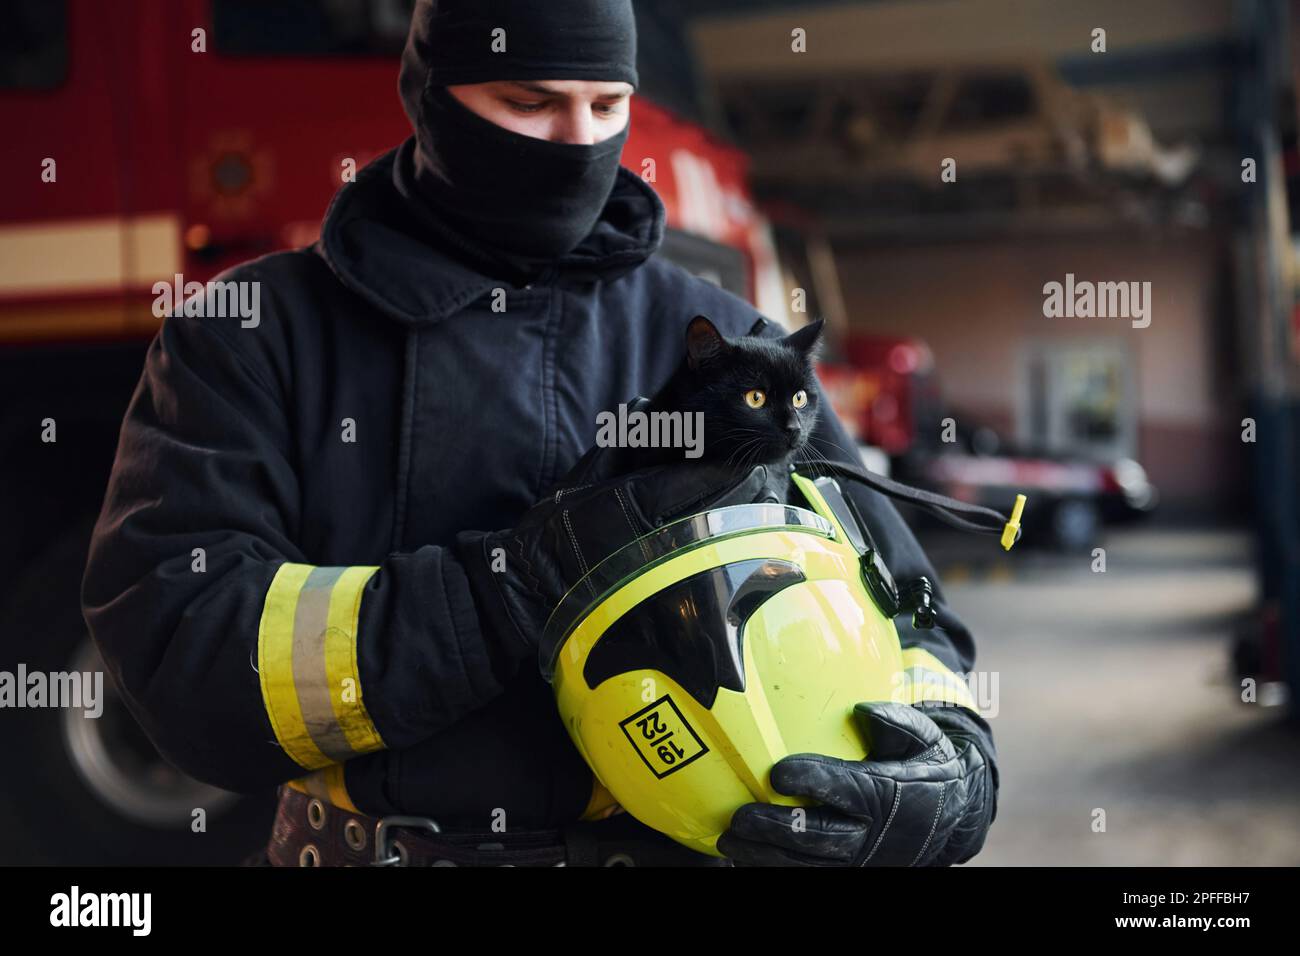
<point x="1012" y="530"/>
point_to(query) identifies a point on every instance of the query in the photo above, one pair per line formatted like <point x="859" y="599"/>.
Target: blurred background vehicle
<point x="1072" y="497"/>
<point x="888" y="395"/>
<point x="916" y="176"/>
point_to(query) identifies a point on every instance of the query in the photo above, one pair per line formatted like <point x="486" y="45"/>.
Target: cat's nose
<point x="793" y="433"/>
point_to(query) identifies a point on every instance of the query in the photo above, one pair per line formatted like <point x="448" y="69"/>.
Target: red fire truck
<point x="149" y="138"/>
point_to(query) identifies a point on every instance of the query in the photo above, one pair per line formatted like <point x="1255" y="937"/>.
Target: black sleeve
<point x="244" y="663"/>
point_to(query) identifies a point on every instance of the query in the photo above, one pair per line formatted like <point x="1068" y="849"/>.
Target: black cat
<point x="757" y="397"/>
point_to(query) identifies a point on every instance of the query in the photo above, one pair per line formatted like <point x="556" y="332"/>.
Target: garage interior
<point x="1118" y="689"/>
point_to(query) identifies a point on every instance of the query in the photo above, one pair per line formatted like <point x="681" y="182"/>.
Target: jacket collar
<point x="378" y="247"/>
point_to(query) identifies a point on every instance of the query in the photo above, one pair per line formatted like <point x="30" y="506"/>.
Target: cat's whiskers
<point x="742" y="431"/>
<point x="741" y="449"/>
<point x="812" y="445"/>
<point x="834" y="444"/>
<point x="802" y="454"/>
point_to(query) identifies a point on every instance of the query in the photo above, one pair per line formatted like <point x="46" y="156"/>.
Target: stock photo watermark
<point x="1084" y="299"/>
<point x="75" y="909"/>
<point x="210" y="300"/>
<point x="640" y="429"/>
<point x="65" y="690"/>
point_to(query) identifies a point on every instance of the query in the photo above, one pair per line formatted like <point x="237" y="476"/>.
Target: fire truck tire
<point x="93" y="790"/>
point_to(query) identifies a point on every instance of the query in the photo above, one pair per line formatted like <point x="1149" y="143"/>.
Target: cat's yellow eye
<point x="800" y="398"/>
<point x="755" y="398"/>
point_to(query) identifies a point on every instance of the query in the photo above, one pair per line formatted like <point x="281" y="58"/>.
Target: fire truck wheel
<point x="93" y="790"/>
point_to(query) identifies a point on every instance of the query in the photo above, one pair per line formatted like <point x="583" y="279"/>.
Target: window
<point x="1078" y="398"/>
<point x="34" y="45"/>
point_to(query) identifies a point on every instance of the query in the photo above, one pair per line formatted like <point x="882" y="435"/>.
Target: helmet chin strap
<point x="957" y="514"/>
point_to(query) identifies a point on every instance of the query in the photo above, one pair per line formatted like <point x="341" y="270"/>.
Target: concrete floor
<point x="1115" y="693"/>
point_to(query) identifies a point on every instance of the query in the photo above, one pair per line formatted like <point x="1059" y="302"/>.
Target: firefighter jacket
<point x="271" y="582"/>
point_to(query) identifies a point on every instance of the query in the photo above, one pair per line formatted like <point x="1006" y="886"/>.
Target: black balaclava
<point x="521" y="201"/>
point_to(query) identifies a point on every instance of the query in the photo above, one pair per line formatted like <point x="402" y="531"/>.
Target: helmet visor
<point x="649" y="550"/>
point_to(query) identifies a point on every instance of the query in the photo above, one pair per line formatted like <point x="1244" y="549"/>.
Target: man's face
<point x="580" y="112"/>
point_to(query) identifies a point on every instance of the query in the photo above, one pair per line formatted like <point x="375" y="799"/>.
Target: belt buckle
<point x="383" y="837"/>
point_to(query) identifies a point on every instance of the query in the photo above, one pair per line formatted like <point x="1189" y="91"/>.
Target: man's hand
<point x="925" y="797"/>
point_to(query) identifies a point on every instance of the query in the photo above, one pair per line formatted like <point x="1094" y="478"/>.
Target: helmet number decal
<point x="662" y="738"/>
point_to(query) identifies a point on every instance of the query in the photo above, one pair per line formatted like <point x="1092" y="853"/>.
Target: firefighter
<point x="293" y="579"/>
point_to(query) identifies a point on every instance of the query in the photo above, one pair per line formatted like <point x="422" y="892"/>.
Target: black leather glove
<point x="925" y="797"/>
<point x="519" y="576"/>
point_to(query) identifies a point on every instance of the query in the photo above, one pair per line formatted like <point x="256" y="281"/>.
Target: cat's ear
<point x="703" y="341"/>
<point x="806" y="339"/>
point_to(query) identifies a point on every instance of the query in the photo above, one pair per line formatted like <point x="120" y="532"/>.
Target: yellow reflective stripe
<point x="307" y="663"/>
<point x="328" y="784"/>
<point x="926" y="679"/>
<point x="310" y="680"/>
<point x="275" y="666"/>
<point x="341" y="661"/>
